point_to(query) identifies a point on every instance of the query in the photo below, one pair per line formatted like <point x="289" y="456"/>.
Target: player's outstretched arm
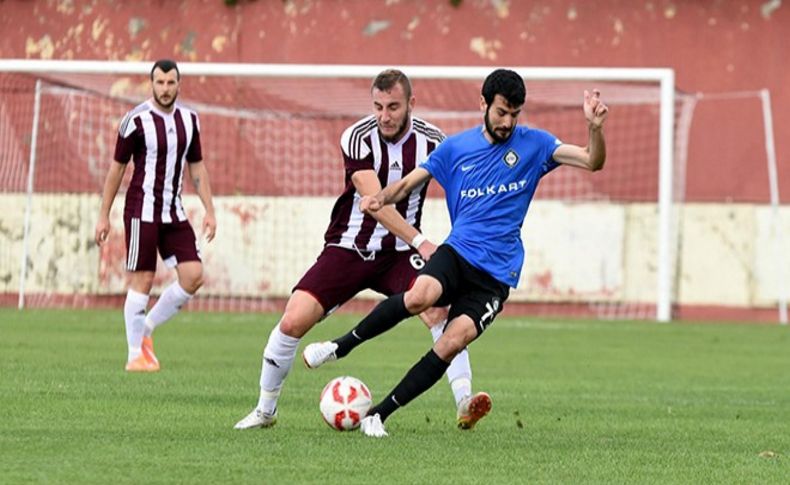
<point x="367" y="184"/>
<point x="394" y="192"/>
<point x="593" y="156"/>
<point x="199" y="176"/>
<point x="111" y="185"/>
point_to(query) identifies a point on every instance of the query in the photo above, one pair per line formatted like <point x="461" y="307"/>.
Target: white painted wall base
<point x="578" y="252"/>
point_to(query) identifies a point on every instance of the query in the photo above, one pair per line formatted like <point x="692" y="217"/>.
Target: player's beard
<point x="492" y="133"/>
<point x="401" y="130"/>
<point x="165" y="105"/>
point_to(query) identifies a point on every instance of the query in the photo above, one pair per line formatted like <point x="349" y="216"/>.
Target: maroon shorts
<point x="338" y="274"/>
<point x="175" y="241"/>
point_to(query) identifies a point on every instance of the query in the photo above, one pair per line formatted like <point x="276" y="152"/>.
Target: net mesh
<point x="272" y="149"/>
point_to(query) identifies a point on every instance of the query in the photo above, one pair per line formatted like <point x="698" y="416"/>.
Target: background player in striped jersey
<point x="489" y="174"/>
<point x="364" y="251"/>
<point x="162" y="137"/>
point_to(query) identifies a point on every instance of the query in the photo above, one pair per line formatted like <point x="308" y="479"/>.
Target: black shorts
<point x="469" y="291"/>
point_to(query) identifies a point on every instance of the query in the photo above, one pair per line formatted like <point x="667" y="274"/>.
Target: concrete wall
<point x="575" y="252"/>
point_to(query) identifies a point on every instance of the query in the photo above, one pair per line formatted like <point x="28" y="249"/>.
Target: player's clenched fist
<point x="369" y="204"/>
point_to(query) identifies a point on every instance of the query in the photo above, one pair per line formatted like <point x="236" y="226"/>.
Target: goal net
<point x="601" y="244"/>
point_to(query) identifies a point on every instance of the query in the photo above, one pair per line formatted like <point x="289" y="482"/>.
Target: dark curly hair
<point x="506" y="83"/>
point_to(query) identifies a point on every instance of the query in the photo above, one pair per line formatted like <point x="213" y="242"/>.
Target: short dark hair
<point x="165" y="65"/>
<point x="387" y="79"/>
<point x="506" y="83"/>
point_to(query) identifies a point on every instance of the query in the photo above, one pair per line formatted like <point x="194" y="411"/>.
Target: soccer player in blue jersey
<point x="489" y="174"/>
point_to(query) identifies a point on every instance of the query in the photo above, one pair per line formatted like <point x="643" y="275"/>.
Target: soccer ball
<point x="344" y="402"/>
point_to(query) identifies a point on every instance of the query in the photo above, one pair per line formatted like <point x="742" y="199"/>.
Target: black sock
<point x="386" y="315"/>
<point x="419" y="379"/>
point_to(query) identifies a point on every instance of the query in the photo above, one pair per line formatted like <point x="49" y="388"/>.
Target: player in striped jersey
<point x="382" y="252"/>
<point x="162" y="137"/>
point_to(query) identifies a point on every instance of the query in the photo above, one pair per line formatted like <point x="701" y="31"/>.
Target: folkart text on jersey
<point x="490" y="190"/>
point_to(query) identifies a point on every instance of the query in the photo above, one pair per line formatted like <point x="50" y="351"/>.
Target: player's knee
<point x="460" y="333"/>
<point x="142" y="282"/>
<point x="416" y="302"/>
<point x="418" y="305"/>
<point x="423" y="295"/>
<point x="294" y="324"/>
<point x="193" y="283"/>
<point x="447" y="347"/>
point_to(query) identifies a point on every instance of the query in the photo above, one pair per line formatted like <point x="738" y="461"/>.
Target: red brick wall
<point x="714" y="46"/>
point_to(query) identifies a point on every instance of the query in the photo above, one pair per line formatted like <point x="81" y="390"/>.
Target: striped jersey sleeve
<point x="355" y="145"/>
<point x="128" y="134"/>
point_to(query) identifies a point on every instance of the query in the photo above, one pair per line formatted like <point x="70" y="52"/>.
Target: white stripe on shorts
<point x="134" y="245"/>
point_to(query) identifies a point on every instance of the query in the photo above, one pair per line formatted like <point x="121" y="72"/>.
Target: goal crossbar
<point x="664" y="77"/>
<point x="334" y="70"/>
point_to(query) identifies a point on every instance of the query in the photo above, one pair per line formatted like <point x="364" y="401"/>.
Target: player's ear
<point x="412" y="102"/>
<point x="483" y="104"/>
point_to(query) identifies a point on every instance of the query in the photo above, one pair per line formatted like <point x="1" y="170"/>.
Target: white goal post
<point x="776" y="234"/>
<point x="666" y="220"/>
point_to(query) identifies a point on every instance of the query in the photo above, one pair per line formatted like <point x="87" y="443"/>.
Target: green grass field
<point x="580" y="402"/>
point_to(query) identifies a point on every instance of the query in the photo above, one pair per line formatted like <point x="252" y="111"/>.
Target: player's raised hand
<point x="595" y="110"/>
<point x="102" y="230"/>
<point x="369" y="204"/>
<point x="209" y="227"/>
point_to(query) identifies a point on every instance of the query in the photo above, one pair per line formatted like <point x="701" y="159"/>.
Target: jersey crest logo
<point x="511" y="158"/>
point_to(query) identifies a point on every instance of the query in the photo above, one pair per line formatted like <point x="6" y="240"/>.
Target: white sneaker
<point x="317" y="354"/>
<point x="372" y="426"/>
<point x="257" y="419"/>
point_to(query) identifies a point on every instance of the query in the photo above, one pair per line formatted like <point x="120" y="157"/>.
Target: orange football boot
<point x="148" y="351"/>
<point x="473" y="409"/>
<point x="141" y="364"/>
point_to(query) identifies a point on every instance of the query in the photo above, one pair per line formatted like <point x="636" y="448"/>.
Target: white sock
<point x="134" y="316"/>
<point x="462" y="388"/>
<point x="459" y="373"/>
<point x="278" y="356"/>
<point x="169" y="303"/>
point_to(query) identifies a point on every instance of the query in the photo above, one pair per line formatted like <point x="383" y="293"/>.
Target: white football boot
<point x="372" y="426"/>
<point x="317" y="354"/>
<point x="257" y="419"/>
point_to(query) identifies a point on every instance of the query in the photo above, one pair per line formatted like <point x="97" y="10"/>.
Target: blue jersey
<point x="488" y="189"/>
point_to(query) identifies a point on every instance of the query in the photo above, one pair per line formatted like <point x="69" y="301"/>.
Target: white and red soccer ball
<point x="344" y="402"/>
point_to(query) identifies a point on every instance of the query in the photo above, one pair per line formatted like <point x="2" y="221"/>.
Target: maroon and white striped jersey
<point x="160" y="144"/>
<point x="364" y="149"/>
